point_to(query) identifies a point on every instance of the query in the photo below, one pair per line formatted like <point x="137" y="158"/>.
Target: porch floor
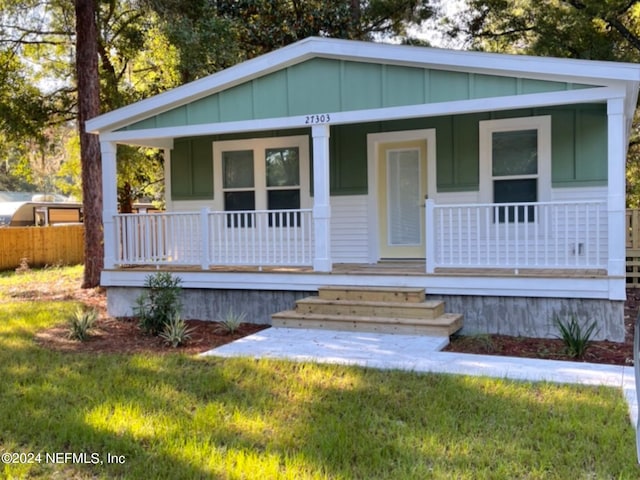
<point x="388" y="267"/>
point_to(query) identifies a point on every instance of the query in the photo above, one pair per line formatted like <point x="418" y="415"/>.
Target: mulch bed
<point x="123" y="336"/>
<point x="553" y="349"/>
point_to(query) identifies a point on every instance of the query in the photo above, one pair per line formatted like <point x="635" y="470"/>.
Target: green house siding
<point x="192" y="170"/>
<point x="323" y="85"/>
<point x="579" y="151"/>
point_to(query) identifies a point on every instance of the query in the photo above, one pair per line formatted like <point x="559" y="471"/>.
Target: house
<point x="494" y="182"/>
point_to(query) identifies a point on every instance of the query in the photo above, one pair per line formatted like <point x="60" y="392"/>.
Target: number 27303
<point x="317" y="119"/>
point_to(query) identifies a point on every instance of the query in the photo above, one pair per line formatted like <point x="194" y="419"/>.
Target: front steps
<point x="371" y="309"/>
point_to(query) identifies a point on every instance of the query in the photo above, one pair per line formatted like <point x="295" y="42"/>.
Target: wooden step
<point x="423" y="310"/>
<point x="444" y="325"/>
<point x="373" y="294"/>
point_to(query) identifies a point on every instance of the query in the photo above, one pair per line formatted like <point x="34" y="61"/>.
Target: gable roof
<point x="588" y="72"/>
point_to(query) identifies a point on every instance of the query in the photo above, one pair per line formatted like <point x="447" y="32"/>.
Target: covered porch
<point x="513" y="237"/>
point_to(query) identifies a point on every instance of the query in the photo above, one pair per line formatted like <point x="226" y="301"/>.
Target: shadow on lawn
<point x="174" y="416"/>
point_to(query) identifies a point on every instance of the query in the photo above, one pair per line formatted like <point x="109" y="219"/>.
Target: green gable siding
<point x="403" y="86"/>
<point x="270" y="96"/>
<point x="579" y="151"/>
<point x="192" y="170"/>
<point x="492" y="86"/>
<point x="323" y="85"/>
<point x="314" y="87"/>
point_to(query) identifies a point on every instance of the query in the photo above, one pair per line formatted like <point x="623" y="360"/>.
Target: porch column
<point x="321" y="206"/>
<point x="617" y="155"/>
<point x="109" y="201"/>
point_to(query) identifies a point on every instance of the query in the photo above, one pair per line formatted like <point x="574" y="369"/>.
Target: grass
<point x="174" y="416"/>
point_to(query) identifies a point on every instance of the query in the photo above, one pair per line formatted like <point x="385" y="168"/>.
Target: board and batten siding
<point x="322" y="85"/>
<point x="579" y="151"/>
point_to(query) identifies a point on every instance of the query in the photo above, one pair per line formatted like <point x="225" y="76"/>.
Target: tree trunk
<point x="89" y="107"/>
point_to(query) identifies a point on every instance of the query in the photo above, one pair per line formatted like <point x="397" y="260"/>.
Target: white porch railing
<point x="567" y="235"/>
<point x="205" y="238"/>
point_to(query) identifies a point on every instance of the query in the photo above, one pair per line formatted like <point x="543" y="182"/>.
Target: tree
<point x="587" y="29"/>
<point x="88" y="83"/>
<point x="210" y="36"/>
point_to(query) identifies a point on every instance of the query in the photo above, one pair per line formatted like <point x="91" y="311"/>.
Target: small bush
<point x="160" y="303"/>
<point x="576" y="337"/>
<point x="81" y="322"/>
<point x="176" y="332"/>
<point x="232" y="320"/>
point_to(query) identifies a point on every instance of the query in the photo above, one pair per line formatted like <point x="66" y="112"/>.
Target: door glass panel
<point x="403" y="191"/>
<point x="237" y="169"/>
<point x="283" y="167"/>
<point x="515" y="153"/>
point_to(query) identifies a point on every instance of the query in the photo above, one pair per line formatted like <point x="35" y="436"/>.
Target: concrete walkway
<point x="421" y="354"/>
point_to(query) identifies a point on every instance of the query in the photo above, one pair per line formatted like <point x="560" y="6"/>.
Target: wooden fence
<point x="58" y="245"/>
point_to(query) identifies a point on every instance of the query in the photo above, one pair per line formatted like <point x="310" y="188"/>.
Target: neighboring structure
<point x="26" y="209"/>
<point x="310" y="166"/>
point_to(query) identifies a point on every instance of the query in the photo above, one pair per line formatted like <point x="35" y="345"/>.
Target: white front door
<point x="402" y="188"/>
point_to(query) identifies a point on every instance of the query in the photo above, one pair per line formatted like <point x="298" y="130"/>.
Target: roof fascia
<point x="590" y="95"/>
<point x="544" y="68"/>
<point x="224" y="79"/>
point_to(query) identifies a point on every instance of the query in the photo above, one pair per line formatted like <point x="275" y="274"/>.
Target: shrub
<point x="232" y="320"/>
<point x="160" y="303"/>
<point x="81" y="322"/>
<point x="576" y="337"/>
<point x="176" y="332"/>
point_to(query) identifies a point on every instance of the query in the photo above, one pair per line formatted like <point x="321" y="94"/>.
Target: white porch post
<point x="321" y="206"/>
<point x="617" y="154"/>
<point x="430" y="236"/>
<point x="109" y="201"/>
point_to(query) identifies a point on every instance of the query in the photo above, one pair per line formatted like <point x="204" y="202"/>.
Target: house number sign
<point x="317" y="119"/>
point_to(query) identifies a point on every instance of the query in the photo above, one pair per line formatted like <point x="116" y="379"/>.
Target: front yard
<point x="144" y="415"/>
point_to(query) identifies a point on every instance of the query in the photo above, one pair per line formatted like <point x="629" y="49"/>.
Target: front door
<point x="402" y="188"/>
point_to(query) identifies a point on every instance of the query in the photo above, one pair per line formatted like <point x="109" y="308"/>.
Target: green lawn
<point x="174" y="416"/>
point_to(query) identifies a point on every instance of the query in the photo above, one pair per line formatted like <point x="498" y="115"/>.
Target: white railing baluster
<point x="520" y="235"/>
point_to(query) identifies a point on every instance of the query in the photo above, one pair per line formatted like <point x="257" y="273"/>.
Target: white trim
<point x="373" y="141"/>
<point x="258" y="145"/>
<point x="617" y="143"/>
<point x="543" y="126"/>
<point x="509" y="286"/>
<point x="567" y="70"/>
<point x="491" y="104"/>
<point x="322" y="261"/>
<point x="108" y="153"/>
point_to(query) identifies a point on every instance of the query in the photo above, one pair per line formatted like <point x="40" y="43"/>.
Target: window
<point x="515" y="165"/>
<point x="262" y="174"/>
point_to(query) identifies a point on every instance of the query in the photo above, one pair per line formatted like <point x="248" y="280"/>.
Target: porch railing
<point x="567" y="235"/>
<point x="205" y="238"/>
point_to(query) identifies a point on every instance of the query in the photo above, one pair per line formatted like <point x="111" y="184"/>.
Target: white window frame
<point x="259" y="146"/>
<point x="542" y="124"/>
